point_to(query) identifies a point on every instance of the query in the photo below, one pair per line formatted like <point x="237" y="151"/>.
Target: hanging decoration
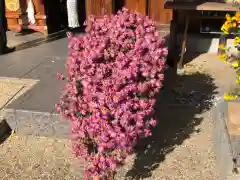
<point x="31" y="12"/>
<point x="12" y="5"/>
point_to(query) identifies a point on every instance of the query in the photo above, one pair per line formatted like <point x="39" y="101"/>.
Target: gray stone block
<point x="24" y="124"/>
<point x="225" y="145"/>
<point x="10" y="116"/>
<point x="44" y="125"/>
<point x="60" y="126"/>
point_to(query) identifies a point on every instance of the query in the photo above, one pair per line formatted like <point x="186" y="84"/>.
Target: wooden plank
<point x="96" y="7"/>
<point x="157" y="12"/>
<point x="222" y="41"/>
<point x="137" y="5"/>
<point x="217" y="7"/>
<point x="109" y="7"/>
<point x="206" y="6"/>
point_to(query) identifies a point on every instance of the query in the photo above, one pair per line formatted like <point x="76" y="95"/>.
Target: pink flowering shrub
<point x="114" y="71"/>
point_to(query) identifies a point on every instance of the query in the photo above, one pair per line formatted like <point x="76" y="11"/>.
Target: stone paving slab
<point x="7" y="91"/>
<point x="12" y="88"/>
<point x="20" y="63"/>
<point x="42" y="63"/>
<point x="46" y="93"/>
<point x="16" y="39"/>
<point x="31" y="113"/>
<point x="32" y="39"/>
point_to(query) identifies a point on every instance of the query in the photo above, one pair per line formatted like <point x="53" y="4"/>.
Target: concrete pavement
<point x="33" y="102"/>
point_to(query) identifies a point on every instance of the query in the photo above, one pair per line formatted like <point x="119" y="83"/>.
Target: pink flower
<point x="147" y="132"/>
<point x="113" y="165"/>
<point x="60" y="76"/>
<point x="114" y="72"/>
<point x="153" y="122"/>
<point x="58" y="107"/>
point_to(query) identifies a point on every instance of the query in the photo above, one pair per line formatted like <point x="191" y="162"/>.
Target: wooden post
<point x="158" y="13"/>
<point x="137" y="5"/>
<point x="222" y="41"/>
<point x="14" y="14"/>
<point x="96" y="7"/>
<point x="172" y="44"/>
<point x="184" y="41"/>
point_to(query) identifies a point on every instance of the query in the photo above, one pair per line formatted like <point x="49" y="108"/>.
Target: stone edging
<point x="25" y="122"/>
<point x="226" y="148"/>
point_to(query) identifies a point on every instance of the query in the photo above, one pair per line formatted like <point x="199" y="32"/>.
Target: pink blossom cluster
<point x="115" y="71"/>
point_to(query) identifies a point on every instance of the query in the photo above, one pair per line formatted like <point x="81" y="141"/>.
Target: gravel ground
<point x="37" y="158"/>
<point x="181" y="147"/>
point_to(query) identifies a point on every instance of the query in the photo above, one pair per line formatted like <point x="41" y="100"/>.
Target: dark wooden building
<point x="51" y="15"/>
<point x="153" y="8"/>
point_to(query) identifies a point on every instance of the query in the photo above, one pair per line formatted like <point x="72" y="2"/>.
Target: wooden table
<point x="187" y="8"/>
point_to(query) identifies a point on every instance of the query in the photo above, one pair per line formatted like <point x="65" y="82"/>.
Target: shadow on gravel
<point x="179" y="108"/>
<point x="5" y="131"/>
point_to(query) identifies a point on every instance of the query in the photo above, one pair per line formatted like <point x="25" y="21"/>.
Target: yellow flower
<point x="228" y="17"/>
<point x="237" y="78"/>
<point x="237" y="14"/>
<point x="234" y="24"/>
<point x="230" y="97"/>
<point x="223" y="56"/>
<point x="235" y="64"/>
<point x="225" y="25"/>
<point x="237" y="81"/>
<point x="12" y="134"/>
<point x="236" y="41"/>
<point x="225" y="28"/>
<point x="237" y="38"/>
<point x="225" y="32"/>
<point x="234" y="18"/>
<point x="222" y="47"/>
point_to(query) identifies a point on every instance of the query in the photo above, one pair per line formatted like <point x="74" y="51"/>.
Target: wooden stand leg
<point x="45" y="32"/>
<point x="180" y="63"/>
<point x="222" y="41"/>
<point x="171" y="59"/>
